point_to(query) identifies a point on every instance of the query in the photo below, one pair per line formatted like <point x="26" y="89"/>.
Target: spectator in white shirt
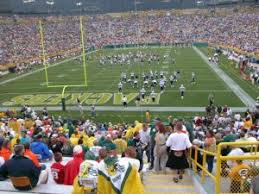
<point x="251" y="136"/>
<point x="145" y="140"/>
<point x="95" y="149"/>
<point x="1" y="161"/>
<point x="178" y="142"/>
<point x="234" y="152"/>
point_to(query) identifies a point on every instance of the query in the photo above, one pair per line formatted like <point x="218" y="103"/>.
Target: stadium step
<point x="164" y="184"/>
<point x="7" y="187"/>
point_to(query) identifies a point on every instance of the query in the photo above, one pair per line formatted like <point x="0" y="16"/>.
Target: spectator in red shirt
<point x="72" y="167"/>
<point x="58" y="169"/>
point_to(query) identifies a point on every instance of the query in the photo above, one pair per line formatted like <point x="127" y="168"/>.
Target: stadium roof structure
<point x="103" y="6"/>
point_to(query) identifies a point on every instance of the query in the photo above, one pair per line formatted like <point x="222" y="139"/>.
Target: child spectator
<point x="58" y="169"/>
<point x="131" y="157"/>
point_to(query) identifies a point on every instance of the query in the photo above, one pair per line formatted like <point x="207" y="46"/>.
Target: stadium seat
<point x="21" y="182"/>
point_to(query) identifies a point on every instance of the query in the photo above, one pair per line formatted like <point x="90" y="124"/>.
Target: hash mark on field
<point x="61" y="75"/>
<point x="42" y="84"/>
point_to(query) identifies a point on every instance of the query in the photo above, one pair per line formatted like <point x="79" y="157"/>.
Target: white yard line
<point x="243" y="95"/>
<point x="41" y="69"/>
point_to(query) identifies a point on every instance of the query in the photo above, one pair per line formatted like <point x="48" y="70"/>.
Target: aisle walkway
<point x="163" y="184"/>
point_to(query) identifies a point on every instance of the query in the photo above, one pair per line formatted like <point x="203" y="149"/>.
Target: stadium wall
<point x="197" y="44"/>
<point x="68" y="7"/>
<point x="5" y="7"/>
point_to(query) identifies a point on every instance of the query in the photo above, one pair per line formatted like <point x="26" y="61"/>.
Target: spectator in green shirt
<point x="229" y="137"/>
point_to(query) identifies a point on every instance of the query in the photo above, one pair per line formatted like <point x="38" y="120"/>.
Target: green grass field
<point x="103" y="82"/>
<point x="128" y="117"/>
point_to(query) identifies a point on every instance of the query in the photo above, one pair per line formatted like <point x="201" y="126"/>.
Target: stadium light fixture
<point x="165" y="1"/>
<point x="28" y="1"/>
<point x="79" y="4"/>
<point x="50" y="2"/>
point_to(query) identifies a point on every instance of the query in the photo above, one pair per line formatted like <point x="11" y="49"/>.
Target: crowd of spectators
<point x="22" y="44"/>
<point x="43" y="138"/>
<point x="29" y="139"/>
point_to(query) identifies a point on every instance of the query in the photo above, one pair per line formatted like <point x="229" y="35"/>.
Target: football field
<point x="103" y="79"/>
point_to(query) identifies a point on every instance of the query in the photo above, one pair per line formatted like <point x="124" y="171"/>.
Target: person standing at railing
<point x="254" y="185"/>
<point x="160" y="152"/>
<point x="210" y="145"/>
<point x="178" y="142"/>
<point x="237" y="174"/>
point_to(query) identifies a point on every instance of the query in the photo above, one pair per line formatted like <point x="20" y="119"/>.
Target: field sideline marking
<point x="128" y="109"/>
<point x="41" y="69"/>
<point x="240" y="93"/>
<point x="247" y="84"/>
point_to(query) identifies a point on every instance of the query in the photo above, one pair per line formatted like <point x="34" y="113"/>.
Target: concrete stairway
<point x="164" y="184"/>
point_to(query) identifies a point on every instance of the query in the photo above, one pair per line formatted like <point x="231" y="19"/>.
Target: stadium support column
<point x="63" y="100"/>
<point x="43" y="52"/>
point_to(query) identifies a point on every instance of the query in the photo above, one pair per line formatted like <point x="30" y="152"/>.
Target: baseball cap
<point x="77" y="149"/>
<point x="157" y="119"/>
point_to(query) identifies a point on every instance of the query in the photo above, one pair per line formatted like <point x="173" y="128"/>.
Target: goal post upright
<point x="64" y="86"/>
<point x="83" y="49"/>
<point x="43" y="52"/>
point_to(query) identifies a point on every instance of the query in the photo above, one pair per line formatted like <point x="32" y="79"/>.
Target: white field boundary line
<point x="240" y="93"/>
<point x="128" y="109"/>
<point x="145" y="47"/>
<point x="131" y="90"/>
<point x="246" y="83"/>
<point x="41" y="69"/>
